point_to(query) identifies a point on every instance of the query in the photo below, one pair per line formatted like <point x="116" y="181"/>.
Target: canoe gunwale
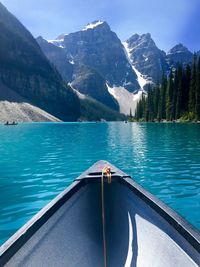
<point x="15" y="242"/>
<point x="184" y="228"/>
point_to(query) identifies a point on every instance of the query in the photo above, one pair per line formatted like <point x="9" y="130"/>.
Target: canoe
<point x="11" y="123"/>
<point x="136" y="228"/>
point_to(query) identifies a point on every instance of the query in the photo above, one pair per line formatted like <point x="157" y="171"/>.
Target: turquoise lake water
<point x="39" y="160"/>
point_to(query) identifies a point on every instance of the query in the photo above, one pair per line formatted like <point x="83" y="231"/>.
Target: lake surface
<point x="39" y="160"/>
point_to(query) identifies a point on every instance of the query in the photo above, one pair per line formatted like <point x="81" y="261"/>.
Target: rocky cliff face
<point x="90" y="82"/>
<point x="57" y="56"/>
<point x="82" y="77"/>
<point x="94" y="57"/>
<point x="99" y="48"/>
<point x="98" y="64"/>
<point x="153" y="62"/>
<point x="147" y="57"/>
<point x="179" y="54"/>
<point x="25" y="69"/>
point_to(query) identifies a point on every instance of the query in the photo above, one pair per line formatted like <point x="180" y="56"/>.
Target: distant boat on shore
<point x="11" y="123"/>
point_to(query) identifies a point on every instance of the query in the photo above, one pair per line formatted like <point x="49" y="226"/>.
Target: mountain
<point x="87" y="80"/>
<point x="150" y="61"/>
<point x="25" y="70"/>
<point x="98" y="61"/>
<point x="97" y="47"/>
<point x="179" y="54"/>
<point x="146" y="57"/>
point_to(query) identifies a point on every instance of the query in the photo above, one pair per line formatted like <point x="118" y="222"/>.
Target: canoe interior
<point x="135" y="234"/>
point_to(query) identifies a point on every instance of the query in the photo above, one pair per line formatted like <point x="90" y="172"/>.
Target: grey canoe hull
<point x="140" y="230"/>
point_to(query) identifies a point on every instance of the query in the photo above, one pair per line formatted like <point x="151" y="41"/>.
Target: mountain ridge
<point x="25" y="69"/>
<point x="166" y="59"/>
<point x="145" y="62"/>
<point x="98" y="51"/>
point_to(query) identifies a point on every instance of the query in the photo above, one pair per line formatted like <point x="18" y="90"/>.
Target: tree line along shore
<point x="177" y="98"/>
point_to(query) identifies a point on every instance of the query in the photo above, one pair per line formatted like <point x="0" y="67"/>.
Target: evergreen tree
<point x="177" y="96"/>
<point x="185" y="89"/>
<point x="192" y="96"/>
<point x="144" y="103"/>
<point x="146" y="112"/>
<point x="130" y="115"/>
<point x="159" y="114"/>
<point x="139" y="112"/>
<point x="179" y="92"/>
<point x="162" y="102"/>
<point x="156" y="98"/>
<point x="175" y="91"/>
<point x="169" y="97"/>
<point x="150" y="106"/>
<point x="141" y="107"/>
<point x="197" y="104"/>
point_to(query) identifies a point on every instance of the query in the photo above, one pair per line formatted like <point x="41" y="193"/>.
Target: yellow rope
<point x="105" y="171"/>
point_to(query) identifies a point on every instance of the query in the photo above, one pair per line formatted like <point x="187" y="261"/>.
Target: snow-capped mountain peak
<point x="92" y="25"/>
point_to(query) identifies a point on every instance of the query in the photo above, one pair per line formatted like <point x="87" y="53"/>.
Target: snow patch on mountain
<point x="92" y="25"/>
<point x="140" y="78"/>
<point x="71" y="62"/>
<point x="126" y="99"/>
<point x="171" y="53"/>
<point x="80" y="95"/>
<point x="57" y="42"/>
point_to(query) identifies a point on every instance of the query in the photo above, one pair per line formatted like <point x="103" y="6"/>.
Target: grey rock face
<point x="153" y="62"/>
<point x="101" y="49"/>
<point x="57" y="56"/>
<point x="89" y="59"/>
<point x="89" y="82"/>
<point x="147" y="57"/>
<point x="179" y="54"/>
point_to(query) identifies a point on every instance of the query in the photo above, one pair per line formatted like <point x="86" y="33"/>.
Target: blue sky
<point x="169" y="22"/>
